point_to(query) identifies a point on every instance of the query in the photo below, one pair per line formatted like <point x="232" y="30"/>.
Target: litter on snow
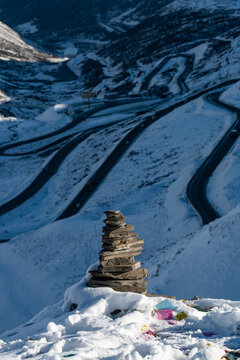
<point x="166" y="305"/>
<point x="165" y="314"/>
<point x="106" y="324"/>
<point x="181" y="316"/>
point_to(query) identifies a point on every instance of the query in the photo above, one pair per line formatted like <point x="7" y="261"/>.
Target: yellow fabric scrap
<point x="144" y="328"/>
<point x="181" y="316"/>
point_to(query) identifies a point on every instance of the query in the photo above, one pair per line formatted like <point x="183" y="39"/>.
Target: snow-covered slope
<point x="93" y="331"/>
<point x="12" y="47"/>
<point x="56" y="18"/>
<point x="149" y="55"/>
<point x="206" y="4"/>
<point x="148" y="185"/>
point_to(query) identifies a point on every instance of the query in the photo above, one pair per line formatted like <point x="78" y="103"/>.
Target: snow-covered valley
<point x="150" y="127"/>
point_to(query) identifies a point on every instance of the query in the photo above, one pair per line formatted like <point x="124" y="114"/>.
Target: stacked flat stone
<point x="118" y="268"/>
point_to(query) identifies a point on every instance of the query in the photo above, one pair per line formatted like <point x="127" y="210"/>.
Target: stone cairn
<point x="118" y="268"/>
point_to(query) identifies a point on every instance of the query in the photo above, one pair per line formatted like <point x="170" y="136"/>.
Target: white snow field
<point x="14" y="48"/>
<point x="182" y="258"/>
<point x="92" y="331"/>
<point x="224" y="186"/>
<point x="44" y="267"/>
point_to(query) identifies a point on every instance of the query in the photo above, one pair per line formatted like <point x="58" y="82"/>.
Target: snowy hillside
<point x="136" y="332"/>
<point x="164" y="77"/>
<point x="12" y="47"/>
<point x="206" y="4"/>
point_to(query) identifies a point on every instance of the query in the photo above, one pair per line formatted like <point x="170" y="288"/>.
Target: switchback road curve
<point x="72" y="124"/>
<point x="196" y="189"/>
<point x="181" y="79"/>
<point x="49" y="169"/>
<point x="53" y="165"/>
<point x="90" y="187"/>
<point x="87" y="191"/>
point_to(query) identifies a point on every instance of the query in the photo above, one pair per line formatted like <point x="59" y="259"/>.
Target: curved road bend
<point x="72" y="124"/>
<point x="87" y="191"/>
<point x="46" y="149"/>
<point x="188" y="69"/>
<point x="196" y="189"/>
<point x="181" y="79"/>
<point x="90" y="187"/>
<point x="181" y="83"/>
<point x="50" y="169"/>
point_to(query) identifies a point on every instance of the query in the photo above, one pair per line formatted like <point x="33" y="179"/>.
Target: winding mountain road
<point x="75" y="139"/>
<point x="90" y="187"/>
<point x="181" y="79"/>
<point x="72" y="124"/>
<point x="50" y="169"/>
<point x="196" y="189"/>
<point x="92" y="184"/>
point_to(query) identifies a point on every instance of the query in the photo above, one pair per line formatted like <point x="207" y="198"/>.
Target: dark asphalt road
<point x="181" y="79"/>
<point x="78" y="202"/>
<point x="91" y="186"/>
<point x="50" y="169"/>
<point x="188" y="69"/>
<point x="196" y="189"/>
<point x="72" y="124"/>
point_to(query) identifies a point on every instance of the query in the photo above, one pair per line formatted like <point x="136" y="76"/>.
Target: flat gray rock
<point x="110" y="239"/>
<point x="129" y="260"/>
<point x="124" y="253"/>
<point x="123" y="246"/>
<point x="119" y="268"/>
<point x="137" y="274"/>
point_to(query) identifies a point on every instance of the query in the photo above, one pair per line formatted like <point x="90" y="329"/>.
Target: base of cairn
<point x="118" y="268"/>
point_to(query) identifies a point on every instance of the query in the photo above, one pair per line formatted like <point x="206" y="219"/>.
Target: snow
<point x="223" y="187"/>
<point x="92" y="332"/>
<point x="203" y="4"/>
<point x="202" y="266"/>
<point x="8" y="125"/>
<point x="44" y="260"/>
<point x="175" y="67"/>
<point x="27" y="28"/>
<point x="198" y="52"/>
<point x="232" y="95"/>
<point x="53" y="118"/>
<point x="107" y="27"/>
<point x="70" y="50"/>
<point x="91" y="160"/>
<point x="123" y="15"/>
<point x="16" y="173"/>
<point x="14" y="48"/>
<point x="155" y="171"/>
<point x="131" y="22"/>
<point x="56" y="116"/>
<point x="177" y="252"/>
<point x="3" y="98"/>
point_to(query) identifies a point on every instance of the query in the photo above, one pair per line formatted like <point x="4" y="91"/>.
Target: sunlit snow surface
<point x="14" y="48"/>
<point x="92" y="332"/>
<point x="148" y="185"/>
<point x="224" y="185"/>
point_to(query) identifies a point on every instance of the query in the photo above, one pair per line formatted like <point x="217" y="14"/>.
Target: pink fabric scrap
<point x="165" y="314"/>
<point x="150" y="332"/>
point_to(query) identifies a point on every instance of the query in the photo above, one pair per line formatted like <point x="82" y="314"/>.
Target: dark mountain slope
<point x="170" y="34"/>
<point x="63" y="17"/>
